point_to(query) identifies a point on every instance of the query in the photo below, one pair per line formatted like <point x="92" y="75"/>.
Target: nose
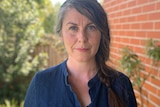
<point x="82" y="36"/>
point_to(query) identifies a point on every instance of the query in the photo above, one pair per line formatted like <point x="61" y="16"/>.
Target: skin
<point x="81" y="39"/>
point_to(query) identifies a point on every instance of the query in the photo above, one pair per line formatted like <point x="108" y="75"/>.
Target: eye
<point x="91" y="27"/>
<point x="73" y="28"/>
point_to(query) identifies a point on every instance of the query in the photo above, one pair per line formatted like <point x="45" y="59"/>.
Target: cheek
<point x="67" y="40"/>
<point x="97" y="39"/>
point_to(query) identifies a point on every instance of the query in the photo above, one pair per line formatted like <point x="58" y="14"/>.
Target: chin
<point x="83" y="59"/>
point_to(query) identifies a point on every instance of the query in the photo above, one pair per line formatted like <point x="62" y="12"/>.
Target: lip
<point x="82" y="49"/>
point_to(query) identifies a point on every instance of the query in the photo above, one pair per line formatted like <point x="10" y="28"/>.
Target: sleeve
<point x="30" y="98"/>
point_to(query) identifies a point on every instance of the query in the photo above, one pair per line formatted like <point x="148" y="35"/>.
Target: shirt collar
<point x="65" y="72"/>
<point x="93" y="82"/>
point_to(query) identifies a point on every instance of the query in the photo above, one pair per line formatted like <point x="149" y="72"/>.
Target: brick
<point x="119" y="26"/>
<point x="115" y="56"/>
<point x="158" y="92"/>
<point x="135" y="26"/>
<point x="132" y="19"/>
<point x="135" y="41"/>
<point x="142" y="58"/>
<point x="114" y="50"/>
<point x="114" y="44"/>
<point x="148" y="61"/>
<point x="120" y="13"/>
<point x="155" y="81"/>
<point x="147" y="25"/>
<point x="115" y="33"/>
<point x="130" y="33"/>
<point x="157" y="25"/>
<point x="123" y="20"/>
<point x="122" y="33"/>
<point x="126" y="40"/>
<point x="158" y="5"/>
<point x="154" y="16"/>
<point x="127" y="12"/>
<point x="112" y="26"/>
<point x="123" y="6"/>
<point x="155" y="99"/>
<point x="132" y="3"/>
<point x="117" y="7"/>
<point x="140" y="2"/>
<point x="131" y="47"/>
<point x="117" y="39"/>
<point x="116" y="20"/>
<point x="107" y="3"/>
<point x="113" y="3"/>
<point x="149" y="8"/>
<point x="108" y="10"/>
<point x="148" y="103"/>
<point x="143" y="42"/>
<point x="143" y="74"/>
<point x="138" y="49"/>
<point x="110" y="21"/>
<point x="126" y="26"/>
<point x="112" y="15"/>
<point x="137" y="10"/>
<point x="120" y="46"/>
<point x="150" y="87"/>
<point x="151" y="70"/>
<point x="153" y="34"/>
<point x="113" y="38"/>
<point x="143" y="17"/>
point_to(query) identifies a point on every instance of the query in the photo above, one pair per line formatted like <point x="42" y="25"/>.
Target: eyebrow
<point x="91" y="24"/>
<point x="71" y="23"/>
<point x="76" y="24"/>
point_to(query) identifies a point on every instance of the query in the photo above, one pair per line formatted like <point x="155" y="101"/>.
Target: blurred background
<point x="28" y="43"/>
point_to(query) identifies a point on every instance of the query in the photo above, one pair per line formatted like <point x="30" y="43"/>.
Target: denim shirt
<point x="50" y="88"/>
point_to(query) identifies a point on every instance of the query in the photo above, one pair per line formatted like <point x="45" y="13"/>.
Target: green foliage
<point x="48" y="23"/>
<point x="132" y="66"/>
<point x="20" y="30"/>
<point x="48" y="15"/>
<point x="55" y="41"/>
<point x="12" y="103"/>
<point x="153" y="49"/>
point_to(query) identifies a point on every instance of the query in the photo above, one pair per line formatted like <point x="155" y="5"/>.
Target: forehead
<point x="73" y="15"/>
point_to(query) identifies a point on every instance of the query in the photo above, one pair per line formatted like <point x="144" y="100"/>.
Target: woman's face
<point x="80" y="35"/>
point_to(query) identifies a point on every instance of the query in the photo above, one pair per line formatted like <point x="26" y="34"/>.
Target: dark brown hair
<point x="94" y="11"/>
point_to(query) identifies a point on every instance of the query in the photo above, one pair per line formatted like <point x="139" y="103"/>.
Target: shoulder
<point x="51" y="73"/>
<point x="45" y="83"/>
<point x="120" y="78"/>
<point x="123" y="87"/>
<point x="121" y="83"/>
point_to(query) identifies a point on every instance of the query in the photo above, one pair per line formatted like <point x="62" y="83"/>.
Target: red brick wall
<point x="132" y="22"/>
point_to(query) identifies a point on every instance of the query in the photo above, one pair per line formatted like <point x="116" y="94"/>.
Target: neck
<point x="81" y="69"/>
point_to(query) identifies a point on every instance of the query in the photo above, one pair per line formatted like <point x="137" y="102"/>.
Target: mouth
<point x="82" y="49"/>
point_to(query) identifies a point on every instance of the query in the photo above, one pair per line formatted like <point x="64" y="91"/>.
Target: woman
<point x="84" y="79"/>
